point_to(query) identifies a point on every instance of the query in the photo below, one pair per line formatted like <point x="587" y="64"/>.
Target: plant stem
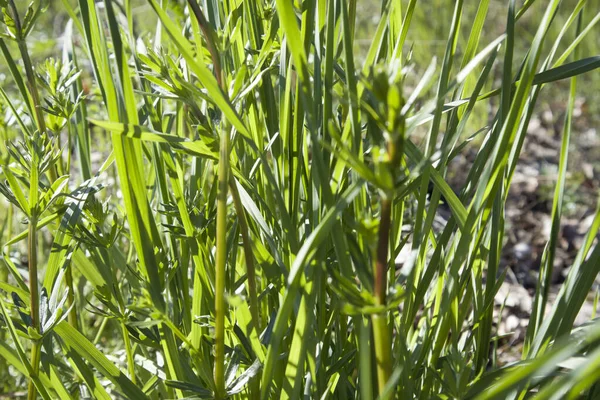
<point x="209" y="37"/>
<point x="128" y="350"/>
<point x="35" y="303"/>
<point x="381" y="331"/>
<point x="381" y="328"/>
<point x="72" y="318"/>
<point x="254" y="386"/>
<point x="248" y="256"/>
<point x="100" y="330"/>
<point x="35" y="98"/>
<point x="35" y="364"/>
<point x="208" y="34"/>
<point x="221" y="260"/>
<point x="382" y="251"/>
<point x="383" y="346"/>
<point x="9" y="218"/>
<point x="31" y="82"/>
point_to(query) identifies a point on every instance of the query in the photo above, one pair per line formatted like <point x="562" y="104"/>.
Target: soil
<point x="528" y="217"/>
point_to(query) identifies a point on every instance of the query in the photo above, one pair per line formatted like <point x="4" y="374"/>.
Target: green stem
<point x="31" y="82"/>
<point x="32" y="234"/>
<point x="249" y="257"/>
<point x="32" y="86"/>
<point x="72" y="318"/>
<point x="36" y="352"/>
<point x="381" y="330"/>
<point x="35" y="98"/>
<point x="4" y="272"/>
<point x="100" y="331"/>
<point x="383" y="349"/>
<point x="209" y="35"/>
<point x="9" y="219"/>
<point x="220" y="267"/>
<point x="35" y="302"/>
<point x="128" y="350"/>
<point x="254" y="385"/>
<point x="382" y="251"/>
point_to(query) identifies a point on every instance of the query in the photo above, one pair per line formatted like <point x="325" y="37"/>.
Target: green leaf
<point x="79" y="343"/>
<point x="202" y="72"/>
<point x="196" y="147"/>
<point x="567" y="70"/>
<point x="300" y="262"/>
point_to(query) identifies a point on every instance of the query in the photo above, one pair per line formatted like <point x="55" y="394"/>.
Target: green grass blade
<point x="78" y="343"/>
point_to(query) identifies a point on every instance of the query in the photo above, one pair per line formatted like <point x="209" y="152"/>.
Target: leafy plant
<point x="239" y="239"/>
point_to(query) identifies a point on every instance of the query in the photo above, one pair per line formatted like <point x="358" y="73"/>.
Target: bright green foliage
<point x="239" y="238"/>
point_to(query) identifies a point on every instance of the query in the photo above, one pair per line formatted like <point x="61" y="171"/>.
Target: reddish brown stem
<point x="381" y="262"/>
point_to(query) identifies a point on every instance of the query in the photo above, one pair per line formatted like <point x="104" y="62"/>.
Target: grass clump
<point x="238" y="237"/>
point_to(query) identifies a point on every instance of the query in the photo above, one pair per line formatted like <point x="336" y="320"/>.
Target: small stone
<point x="522" y="251"/>
<point x="512" y="323"/>
<point x="588" y="170"/>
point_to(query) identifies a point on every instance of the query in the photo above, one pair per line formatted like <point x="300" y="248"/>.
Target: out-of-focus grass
<point x="432" y="19"/>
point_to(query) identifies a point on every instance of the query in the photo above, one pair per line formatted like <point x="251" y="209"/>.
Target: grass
<point x="238" y="237"/>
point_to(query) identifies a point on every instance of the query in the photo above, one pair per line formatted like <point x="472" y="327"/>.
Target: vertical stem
<point x="31" y="83"/>
<point x="9" y="218"/>
<point x="128" y="350"/>
<point x="382" y="251"/>
<point x="35" y="363"/>
<point x="69" y="145"/>
<point x="4" y="271"/>
<point x="35" y="97"/>
<point x="33" y="218"/>
<point x="382" y="339"/>
<point x="32" y="234"/>
<point x="33" y="278"/>
<point x="365" y="372"/>
<point x="100" y="330"/>
<point x="220" y="267"/>
<point x="35" y="303"/>
<point x="32" y="86"/>
<point x="254" y="385"/>
<point x="383" y="349"/>
<point x="249" y="257"/>
<point x="381" y="330"/>
<point x="209" y="36"/>
<point x="72" y="317"/>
